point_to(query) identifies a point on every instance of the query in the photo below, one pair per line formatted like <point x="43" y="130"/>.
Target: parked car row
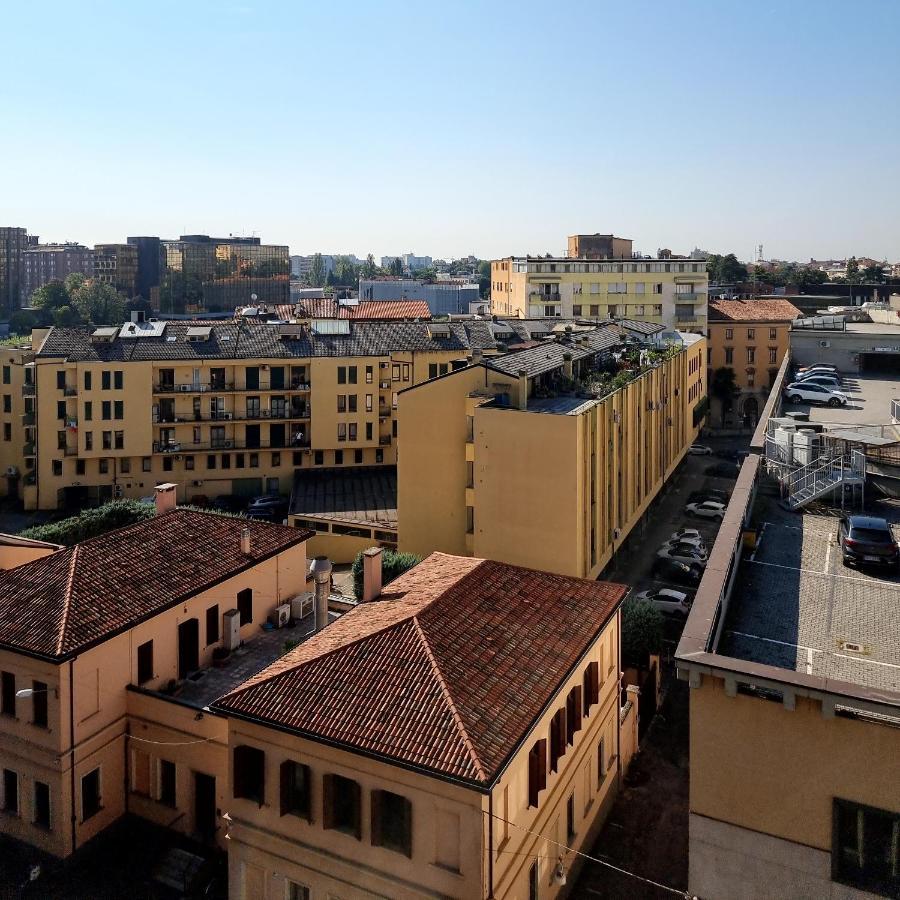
<point x="868" y="540"/>
<point x="816" y="384"/>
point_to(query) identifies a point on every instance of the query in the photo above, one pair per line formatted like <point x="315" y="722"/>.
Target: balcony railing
<point x="28" y="449"/>
<point x="222" y="387"/>
<point x="28" y="389"/>
<point x="70" y="390"/>
<point x="28" y="419"/>
<point x="263" y="414"/>
<point x="384" y="440"/>
<point x="225" y="444"/>
<point x="689" y="297"/>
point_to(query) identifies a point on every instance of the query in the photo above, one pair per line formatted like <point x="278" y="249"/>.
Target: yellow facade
<point x="666" y="291"/>
<point x="553" y="490"/>
<point x="15" y="399"/>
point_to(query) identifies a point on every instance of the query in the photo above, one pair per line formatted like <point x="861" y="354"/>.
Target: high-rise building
<point x="150" y="267"/>
<point x="13" y="243"/>
<point x="48" y="262"/>
<point x="117" y="264"/>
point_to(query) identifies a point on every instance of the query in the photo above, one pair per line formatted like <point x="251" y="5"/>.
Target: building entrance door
<point x="204" y="805"/>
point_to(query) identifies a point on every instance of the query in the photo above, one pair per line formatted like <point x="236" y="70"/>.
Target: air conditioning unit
<point x="184" y="388"/>
<point x="227" y="415"/>
<point x="117" y="490"/>
<point x="197" y="483"/>
<point x="265" y="414"/>
<point x="385" y="385"/>
<point x="228" y="444"/>
<point x="231" y="629"/>
<point x="385" y="365"/>
<point x="302" y="606"/>
<point x="282" y="615"/>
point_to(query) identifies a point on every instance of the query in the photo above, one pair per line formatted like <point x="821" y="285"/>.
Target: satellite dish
<point x="253" y="297"/>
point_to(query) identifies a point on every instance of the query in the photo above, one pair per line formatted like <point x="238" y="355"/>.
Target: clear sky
<point x="453" y="128"/>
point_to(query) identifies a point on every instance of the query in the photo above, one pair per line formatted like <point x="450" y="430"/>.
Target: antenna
<point x="759" y="253"/>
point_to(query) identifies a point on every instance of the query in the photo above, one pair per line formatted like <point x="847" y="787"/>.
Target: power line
<point x="663" y="887"/>
<point x="168" y="743"/>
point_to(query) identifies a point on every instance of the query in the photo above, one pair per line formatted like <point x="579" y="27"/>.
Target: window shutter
<point x="561" y="733"/>
<point x="576" y="708"/>
<point x="286" y="787"/>
<point x="533" y="776"/>
<point x="357" y="810"/>
<point x="376" y="817"/>
<point x="328" y="801"/>
<point x="542" y="763"/>
<point x="407" y="827"/>
<point x="240" y="772"/>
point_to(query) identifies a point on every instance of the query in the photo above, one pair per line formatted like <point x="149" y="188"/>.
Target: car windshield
<point x="872" y="535"/>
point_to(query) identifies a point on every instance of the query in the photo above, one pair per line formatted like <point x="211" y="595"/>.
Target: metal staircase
<point x="823" y="475"/>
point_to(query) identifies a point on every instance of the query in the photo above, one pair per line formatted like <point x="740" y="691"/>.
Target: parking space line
<point x="872" y="581"/>
<point x="827" y="558"/>
<point x="759" y="538"/>
<point x="811" y="650"/>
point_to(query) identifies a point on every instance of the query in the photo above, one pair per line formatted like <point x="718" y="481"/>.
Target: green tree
<point x="66" y="317"/>
<point x="725" y="269"/>
<point x="396" y="267"/>
<point x="724" y="388"/>
<point x="22" y="321"/>
<point x="74" y="281"/>
<point x="369" y="269"/>
<point x="346" y="271"/>
<point x="483" y="270"/>
<point x="317" y="271"/>
<point x="393" y="564"/>
<point x="51" y="296"/>
<point x="642" y="632"/>
<point x="99" y="303"/>
<point x="873" y="274"/>
<point x="91" y="522"/>
<point x="852" y="271"/>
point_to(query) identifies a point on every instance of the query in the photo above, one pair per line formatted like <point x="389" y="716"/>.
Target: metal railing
<point x="825" y="474"/>
<point x="263" y="414"/>
<point x="225" y="444"/>
<point x="168" y="387"/>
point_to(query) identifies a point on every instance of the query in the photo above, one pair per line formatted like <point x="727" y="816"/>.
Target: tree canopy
<point x="91" y="522"/>
<point x="316" y="276"/>
<point x="642" y="632"/>
<point x="725" y="269"/>
<point x="396" y="267"/>
<point x="78" y="300"/>
<point x="393" y="564"/>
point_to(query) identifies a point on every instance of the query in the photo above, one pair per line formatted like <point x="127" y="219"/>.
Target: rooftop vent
<point x="104" y="335"/>
<point x="438" y="331"/>
<point x="851" y="647"/>
<point x="195" y="335"/>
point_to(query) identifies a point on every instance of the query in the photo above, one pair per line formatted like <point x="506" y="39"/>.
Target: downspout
<point x="490" y="892"/>
<point x="72" y="744"/>
<point x="619" y="697"/>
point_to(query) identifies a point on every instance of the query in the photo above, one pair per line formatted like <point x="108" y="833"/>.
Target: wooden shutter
<point x="561" y="733"/>
<point x="576" y="709"/>
<point x="407" y="827"/>
<point x="357" y="809"/>
<point x="542" y="763"/>
<point x="285" y="776"/>
<point x="328" y="801"/>
<point x="534" y="775"/>
<point x="376" y="798"/>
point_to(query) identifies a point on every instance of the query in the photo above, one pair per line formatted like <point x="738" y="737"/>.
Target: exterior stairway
<point x="824" y="475"/>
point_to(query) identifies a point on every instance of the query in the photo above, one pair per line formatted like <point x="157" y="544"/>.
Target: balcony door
<point x="252" y="435"/>
<point x="188" y="647"/>
<point x="252" y="378"/>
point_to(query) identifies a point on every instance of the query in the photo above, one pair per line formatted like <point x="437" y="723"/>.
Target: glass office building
<point x="13" y="243"/>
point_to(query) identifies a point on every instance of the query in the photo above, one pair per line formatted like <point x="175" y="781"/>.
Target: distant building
<point x="444" y="297"/>
<point x="412" y="262"/>
<point x="150" y="267"/>
<point x="13" y="243"/>
<point x="117" y="264"/>
<point x="48" y="262"/>
<point x="599" y="246"/>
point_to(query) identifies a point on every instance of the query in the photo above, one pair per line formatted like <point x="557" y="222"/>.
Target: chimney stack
<point x="321" y="573"/>
<point x="477" y="356"/>
<point x="245" y="541"/>
<point x="523" y="390"/>
<point x="567" y="366"/>
<point x="372" y="574"/>
<point x="166" y="500"/>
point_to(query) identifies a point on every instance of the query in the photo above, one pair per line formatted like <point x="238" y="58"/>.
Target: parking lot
<point x="868" y="401"/>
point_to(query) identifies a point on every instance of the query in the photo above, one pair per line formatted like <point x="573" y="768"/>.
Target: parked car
<point x="709" y="494"/>
<point x="799" y="391"/>
<point x="688" y="536"/>
<point x="700" y="450"/>
<point x="818" y="367"/>
<point x="737" y="456"/>
<point x="686" y="553"/>
<point x="271" y="507"/>
<point x="723" y="470"/>
<point x="668" y="601"/>
<point x="867" y="540"/>
<point x="230" y="503"/>
<point x="708" y="509"/>
<point x="829" y="381"/>
<point x="677" y="572"/>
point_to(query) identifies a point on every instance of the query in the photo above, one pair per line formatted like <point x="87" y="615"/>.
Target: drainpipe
<point x="619" y="698"/>
<point x="490" y="893"/>
<point x="72" y="744"/>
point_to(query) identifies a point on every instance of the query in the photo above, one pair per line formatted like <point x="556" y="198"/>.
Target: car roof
<point x="671" y="592"/>
<point x="868" y="522"/>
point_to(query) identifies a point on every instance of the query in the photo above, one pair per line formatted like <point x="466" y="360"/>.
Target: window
<point x="90" y="795"/>
<point x="210" y="461"/>
<point x="368" y="374"/>
<point x="379" y="456"/>
<point x="557" y="738"/>
<point x="351" y="402"/>
<point x="318" y="457"/>
<point x="57" y="467"/>
<point x="107" y="440"/>
<point x="41" y="812"/>
<point x="87" y="381"/>
<point x="395" y="372"/>
<point x="146" y="464"/>
<point x="106" y="410"/>
<point x="351" y="374"/>
<point x="188" y="463"/>
<point x="295" y="790"/>
<point x="341" y="403"/>
<point x="297" y="891"/>
<point x="10" y="791"/>
<point x="368" y="431"/>
<point x="145" y="662"/>
<point x="61" y="380"/>
<point x="250" y="773"/>
<point x="118" y="379"/>
<point x="351" y="431"/>
<point x="729" y="355"/>
<point x="7" y="431"/>
<point x="8" y="694"/>
<point x="341" y="805"/>
<point x="573" y="714"/>
<point x="105" y="380"/>
<point x="119" y="440"/>
<point x="39" y="701"/>
<point x="729" y="334"/>
<point x="342" y="431"/>
<point x="751" y="355"/>
<point x="576" y="310"/>
<point x="537" y="771"/>
<point x="245" y="605"/>
<point x="239" y="460"/>
<point x="7" y="372"/>
<point x="167" y="464"/>
<point x="342" y="375"/>
<point x="751" y="334"/>
<point x="338" y="457"/>
<point x="60" y="409"/>
<point x="773" y="334"/>
<point x="357" y="456"/>
<point x="89" y="440"/>
<point x="212" y="625"/>
<point x="570" y="817"/>
<point x="773" y="355"/>
<point x="432" y="370"/>
<point x="226" y="460"/>
<point x="167" y="783"/>
<point x="406" y="371"/>
<point x="392" y="822"/>
<point x="865" y="848"/>
<point x="118" y="409"/>
<point x="591" y="686"/>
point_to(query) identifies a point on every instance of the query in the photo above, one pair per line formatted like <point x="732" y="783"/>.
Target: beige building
<point x="109" y="652"/>
<point x="433" y="742"/>
<point x="230" y="408"/>
<point x="550" y="456"/>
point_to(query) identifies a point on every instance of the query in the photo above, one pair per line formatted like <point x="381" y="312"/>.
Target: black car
<point x="711" y="494"/>
<point x="723" y="470"/>
<point x="272" y="508"/>
<point x="677" y="572"/>
<point x="867" y="540"/>
<point x="229" y="503"/>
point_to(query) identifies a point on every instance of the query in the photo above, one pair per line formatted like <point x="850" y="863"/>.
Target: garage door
<point x="247" y="487"/>
<point x="888" y="362"/>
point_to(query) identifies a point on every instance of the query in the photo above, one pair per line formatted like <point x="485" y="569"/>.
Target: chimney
<point x="567" y="366"/>
<point x="321" y="573"/>
<point x="245" y="541"/>
<point x="372" y="574"/>
<point x="166" y="500"/>
<point x="477" y="356"/>
<point x="523" y="389"/>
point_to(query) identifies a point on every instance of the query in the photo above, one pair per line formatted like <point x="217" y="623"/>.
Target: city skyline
<point x="675" y="127"/>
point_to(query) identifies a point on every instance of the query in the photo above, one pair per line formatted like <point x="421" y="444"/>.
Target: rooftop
<point x="768" y="310"/>
<point x="321" y="308"/>
<point x="446" y="671"/>
<point x="362" y="495"/>
<point x="79" y="596"/>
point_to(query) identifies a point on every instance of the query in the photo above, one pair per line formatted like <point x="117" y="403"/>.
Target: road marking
<point x="811" y="650"/>
<point x="870" y="581"/>
<point x="759" y="538"/>
<point x="827" y="558"/>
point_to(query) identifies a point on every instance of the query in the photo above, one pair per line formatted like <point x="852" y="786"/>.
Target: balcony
<point x="70" y="391"/>
<point x="538" y="297"/>
<point x="689" y="297"/>
<point x="223" y="387"/>
<point x="28" y="419"/>
<point x="28" y="449"/>
<point x="28" y="389"/>
<point x="385" y="440"/>
<point x="188" y="447"/>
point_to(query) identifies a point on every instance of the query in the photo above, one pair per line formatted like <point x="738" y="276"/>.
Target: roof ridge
<point x="454" y="712"/>
<point x="67" y="598"/>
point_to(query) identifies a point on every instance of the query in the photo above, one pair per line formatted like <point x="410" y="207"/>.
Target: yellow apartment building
<point x="229" y="408"/>
<point x="15" y="402"/>
<point x="669" y="292"/>
<point x="433" y="742"/>
<point x="548" y="457"/>
<point x="750" y="337"/>
<point x="109" y="652"/>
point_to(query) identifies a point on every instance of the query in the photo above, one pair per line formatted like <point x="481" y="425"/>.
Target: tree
<point x="642" y="632"/>
<point x="396" y="267"/>
<point x="99" y="303"/>
<point x="22" y="321"/>
<point x="724" y="388"/>
<point x="317" y="271"/>
<point x="393" y="564"/>
<point x="484" y="278"/>
<point x="74" y="281"/>
<point x="725" y="269"/>
<point x="50" y="296"/>
<point x="369" y="269"/>
<point x="91" y="522"/>
<point x="852" y="271"/>
<point x="873" y="274"/>
<point x="66" y="317"/>
<point x="346" y="272"/>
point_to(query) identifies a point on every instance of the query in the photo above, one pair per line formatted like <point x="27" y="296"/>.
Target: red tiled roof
<point x="323" y="308"/>
<point x="317" y="308"/>
<point x="65" y="602"/>
<point x="447" y="670"/>
<point x="753" y="311"/>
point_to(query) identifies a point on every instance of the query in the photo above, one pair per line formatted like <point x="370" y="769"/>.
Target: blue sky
<point x="487" y="128"/>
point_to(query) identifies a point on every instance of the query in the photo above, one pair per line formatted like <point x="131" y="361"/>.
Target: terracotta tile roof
<point x="316" y="308"/>
<point x="752" y="311"/>
<point x="79" y="596"/>
<point x="446" y="671"/>
<point x="378" y="310"/>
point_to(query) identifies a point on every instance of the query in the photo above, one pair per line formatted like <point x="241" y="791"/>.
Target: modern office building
<point x="548" y="457"/>
<point x="793" y="660"/>
<point x="442" y="739"/>
<point x="117" y="265"/>
<point x="150" y="268"/>
<point x="665" y="291"/>
<point x="13" y="244"/>
<point x="226" y="408"/>
<point x="53" y="262"/>
<point x="442" y="297"/>
<point x="751" y="339"/>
